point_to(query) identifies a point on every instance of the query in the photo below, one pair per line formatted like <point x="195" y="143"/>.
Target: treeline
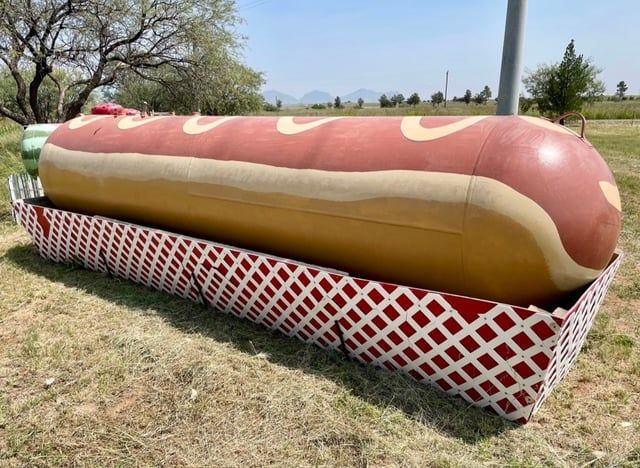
<point x="480" y="98"/>
<point x="396" y="100"/>
<point x="437" y="98"/>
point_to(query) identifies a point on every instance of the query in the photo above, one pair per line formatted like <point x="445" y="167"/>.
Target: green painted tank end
<point x="33" y="139"/>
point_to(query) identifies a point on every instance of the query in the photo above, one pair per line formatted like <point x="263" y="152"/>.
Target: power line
<point x="250" y="5"/>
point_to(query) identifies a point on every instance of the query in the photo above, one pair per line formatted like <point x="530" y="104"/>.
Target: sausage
<point x="508" y="208"/>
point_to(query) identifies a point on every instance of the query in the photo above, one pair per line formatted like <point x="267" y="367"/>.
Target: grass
<point x="142" y="378"/>
<point x="10" y="162"/>
<point x="602" y="110"/>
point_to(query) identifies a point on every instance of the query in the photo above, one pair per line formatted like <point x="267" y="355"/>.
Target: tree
<point x="414" y="99"/>
<point x="621" y="89"/>
<point x="278" y="104"/>
<point x="337" y="103"/>
<point x="217" y="86"/>
<point x="467" y="96"/>
<point x="486" y="93"/>
<point x="482" y="97"/>
<point x="329" y="105"/>
<point x="397" y="99"/>
<point x="268" y="107"/>
<point x="385" y="101"/>
<point x="437" y="98"/>
<point x="80" y="46"/>
<point x="360" y="103"/>
<point x="525" y="104"/>
<point x="564" y="86"/>
<point x="48" y="92"/>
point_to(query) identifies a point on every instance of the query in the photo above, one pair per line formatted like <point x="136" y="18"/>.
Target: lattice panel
<point x="495" y="356"/>
<point x="22" y="185"/>
<point x="576" y="325"/>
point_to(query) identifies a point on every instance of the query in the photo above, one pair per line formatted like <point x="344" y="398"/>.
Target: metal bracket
<point x="577" y="114"/>
<point x="103" y="257"/>
<point x="198" y="287"/>
<point x="342" y="347"/>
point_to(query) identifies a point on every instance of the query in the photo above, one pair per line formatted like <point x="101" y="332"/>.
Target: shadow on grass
<point x="448" y="415"/>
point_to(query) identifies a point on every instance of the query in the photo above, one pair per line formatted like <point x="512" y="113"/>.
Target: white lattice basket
<point x="496" y="356"/>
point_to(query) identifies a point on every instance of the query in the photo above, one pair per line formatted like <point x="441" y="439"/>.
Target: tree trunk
<point x="41" y="72"/>
<point x="62" y="91"/>
<point x="21" y="94"/>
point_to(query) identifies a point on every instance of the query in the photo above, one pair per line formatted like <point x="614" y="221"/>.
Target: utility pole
<point x="446" y="87"/>
<point x="512" y="51"/>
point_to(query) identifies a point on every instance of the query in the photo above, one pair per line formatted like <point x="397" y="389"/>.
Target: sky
<point x="339" y="46"/>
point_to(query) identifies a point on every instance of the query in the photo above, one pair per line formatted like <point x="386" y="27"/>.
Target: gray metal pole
<point x="512" y="51"/>
<point x="446" y="88"/>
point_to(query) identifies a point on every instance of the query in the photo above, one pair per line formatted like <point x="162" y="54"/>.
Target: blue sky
<point x="407" y="45"/>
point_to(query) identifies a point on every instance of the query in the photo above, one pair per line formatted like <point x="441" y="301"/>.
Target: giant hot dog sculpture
<point x="514" y="209"/>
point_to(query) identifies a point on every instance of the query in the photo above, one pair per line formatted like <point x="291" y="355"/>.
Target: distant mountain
<point x="317" y="97"/>
<point x="271" y="95"/>
<point x="367" y="95"/>
<point x="322" y="97"/>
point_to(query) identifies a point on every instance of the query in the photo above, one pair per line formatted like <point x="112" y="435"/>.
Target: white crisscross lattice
<point x="576" y="325"/>
<point x="493" y="355"/>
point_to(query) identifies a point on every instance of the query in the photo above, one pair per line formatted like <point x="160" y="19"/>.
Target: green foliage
<point x="337" y="103"/>
<point x="217" y="85"/>
<point x="397" y="99"/>
<point x="385" y="101"/>
<point x="481" y="98"/>
<point x="414" y="99"/>
<point x="268" y="107"/>
<point x="467" y="96"/>
<point x="318" y="106"/>
<point x="10" y="161"/>
<point x="486" y="93"/>
<point x="278" y="103"/>
<point x="564" y="87"/>
<point x="621" y="88"/>
<point x="55" y="54"/>
<point x="360" y="103"/>
<point x="48" y="93"/>
<point x="437" y="98"/>
<point x="525" y="104"/>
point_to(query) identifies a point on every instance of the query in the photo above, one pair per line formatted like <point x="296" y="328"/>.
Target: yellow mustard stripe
<point x="192" y="127"/>
<point x="83" y="120"/>
<point x="287" y="126"/>
<point x="128" y="122"/>
<point x="413" y="130"/>
<point x="611" y="193"/>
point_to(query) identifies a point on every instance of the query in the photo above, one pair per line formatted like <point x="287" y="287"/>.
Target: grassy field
<point x="604" y="110"/>
<point x="97" y="371"/>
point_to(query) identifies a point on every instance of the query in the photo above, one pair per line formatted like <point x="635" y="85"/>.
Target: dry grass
<point x="141" y="378"/>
